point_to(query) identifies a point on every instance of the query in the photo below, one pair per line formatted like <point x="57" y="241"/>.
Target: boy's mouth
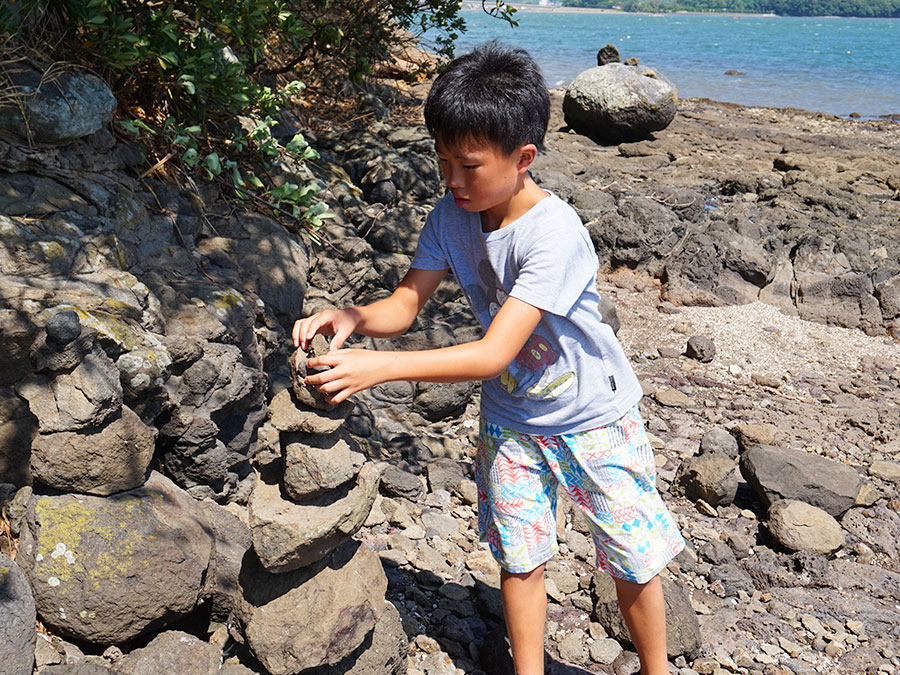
<point x="460" y="201"/>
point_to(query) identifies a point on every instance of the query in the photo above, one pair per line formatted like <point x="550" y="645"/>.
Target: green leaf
<point x="211" y="162"/>
<point x="191" y="157"/>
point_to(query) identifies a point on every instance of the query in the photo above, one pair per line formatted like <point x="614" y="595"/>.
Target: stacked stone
<point x="310" y="595"/>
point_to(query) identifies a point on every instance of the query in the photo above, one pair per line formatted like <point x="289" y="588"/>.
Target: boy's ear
<point x="527" y="153"/>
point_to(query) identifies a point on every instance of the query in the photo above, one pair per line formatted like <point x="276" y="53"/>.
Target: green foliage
<point x="848" y="8"/>
<point x="201" y="82"/>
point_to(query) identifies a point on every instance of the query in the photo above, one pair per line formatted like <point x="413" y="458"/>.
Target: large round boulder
<point x="106" y="569"/>
<point x="615" y="103"/>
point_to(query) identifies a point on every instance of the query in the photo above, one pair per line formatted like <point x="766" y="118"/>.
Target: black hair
<point x="495" y="94"/>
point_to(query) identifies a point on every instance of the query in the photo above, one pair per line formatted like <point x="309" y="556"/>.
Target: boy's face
<point x="480" y="176"/>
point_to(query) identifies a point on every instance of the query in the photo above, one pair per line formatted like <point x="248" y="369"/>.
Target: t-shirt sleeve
<point x="555" y="268"/>
<point x="430" y="254"/>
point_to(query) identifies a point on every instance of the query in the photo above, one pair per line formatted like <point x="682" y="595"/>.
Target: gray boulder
<point x="315" y="464"/>
<point x="100" y="461"/>
<point x="105" y="569"/>
<point x="682" y="628"/>
<point x="58" y="110"/>
<point x="801" y="527"/>
<point x="712" y="477"/>
<point x="287" y="536"/>
<point x="615" y="103"/>
<point x="779" y="473"/>
<point x="337" y="602"/>
<point x="719" y="440"/>
<point x="17" y="620"/>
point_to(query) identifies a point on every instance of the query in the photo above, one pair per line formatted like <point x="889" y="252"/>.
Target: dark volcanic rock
<point x="608" y="54"/>
<point x="779" y="473"/>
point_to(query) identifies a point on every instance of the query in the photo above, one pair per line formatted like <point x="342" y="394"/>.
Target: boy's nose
<point x="454" y="181"/>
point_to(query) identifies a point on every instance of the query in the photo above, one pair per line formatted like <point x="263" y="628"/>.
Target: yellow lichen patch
<point x="229" y="299"/>
<point x="77" y="538"/>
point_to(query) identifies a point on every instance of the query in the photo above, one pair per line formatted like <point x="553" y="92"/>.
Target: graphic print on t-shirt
<point x="529" y="374"/>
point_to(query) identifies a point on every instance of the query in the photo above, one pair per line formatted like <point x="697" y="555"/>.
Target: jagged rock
<point x="286" y="415"/>
<point x="701" y="348"/>
<point x="304" y="393"/>
<point x="801" y="527"/>
<point x="712" y="477"/>
<point x="780" y="473"/>
<point x="17" y="620"/>
<point x="343" y="594"/>
<point x="219" y="403"/>
<point x="231" y="540"/>
<point x="315" y="464"/>
<point x="384" y="651"/>
<point x="616" y="103"/>
<point x="105" y="569"/>
<point x="86" y="397"/>
<point x="17" y="429"/>
<point x="56" y="110"/>
<point x="287" y="536"/>
<point x="172" y="652"/>
<point x="682" y="628"/>
<point x="97" y="461"/>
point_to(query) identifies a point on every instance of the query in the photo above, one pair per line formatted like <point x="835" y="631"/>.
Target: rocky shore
<point x="174" y="501"/>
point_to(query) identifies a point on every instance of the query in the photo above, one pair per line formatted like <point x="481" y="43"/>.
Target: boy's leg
<point x="525" y="610"/>
<point x="644" y="610"/>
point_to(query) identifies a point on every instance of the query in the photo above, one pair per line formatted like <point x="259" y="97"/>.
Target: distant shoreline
<point x="470" y="5"/>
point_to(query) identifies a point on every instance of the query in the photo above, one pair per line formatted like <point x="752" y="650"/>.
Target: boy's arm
<point x="384" y="318"/>
<point x="353" y="370"/>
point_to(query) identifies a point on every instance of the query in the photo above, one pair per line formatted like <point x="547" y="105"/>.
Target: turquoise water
<point x="829" y="65"/>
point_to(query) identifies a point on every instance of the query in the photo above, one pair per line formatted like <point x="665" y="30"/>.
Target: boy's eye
<point x="470" y="166"/>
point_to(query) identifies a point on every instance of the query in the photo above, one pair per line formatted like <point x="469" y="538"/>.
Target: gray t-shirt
<point x="572" y="374"/>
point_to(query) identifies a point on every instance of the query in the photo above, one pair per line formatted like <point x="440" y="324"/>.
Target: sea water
<point x="825" y="64"/>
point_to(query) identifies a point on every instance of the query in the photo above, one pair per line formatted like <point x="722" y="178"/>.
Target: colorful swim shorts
<point x="609" y="472"/>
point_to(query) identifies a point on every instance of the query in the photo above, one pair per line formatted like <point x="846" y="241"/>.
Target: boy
<point x="559" y="398"/>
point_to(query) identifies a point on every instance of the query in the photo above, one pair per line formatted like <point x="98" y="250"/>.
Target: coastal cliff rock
<point x="615" y="103"/>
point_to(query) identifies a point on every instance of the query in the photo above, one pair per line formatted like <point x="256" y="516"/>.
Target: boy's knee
<point x="523" y="576"/>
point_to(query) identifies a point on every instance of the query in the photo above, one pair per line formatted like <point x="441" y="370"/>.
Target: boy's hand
<point x="337" y="322"/>
<point x="350" y="371"/>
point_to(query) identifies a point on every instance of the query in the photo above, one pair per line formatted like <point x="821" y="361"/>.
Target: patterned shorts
<point x="609" y="472"/>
